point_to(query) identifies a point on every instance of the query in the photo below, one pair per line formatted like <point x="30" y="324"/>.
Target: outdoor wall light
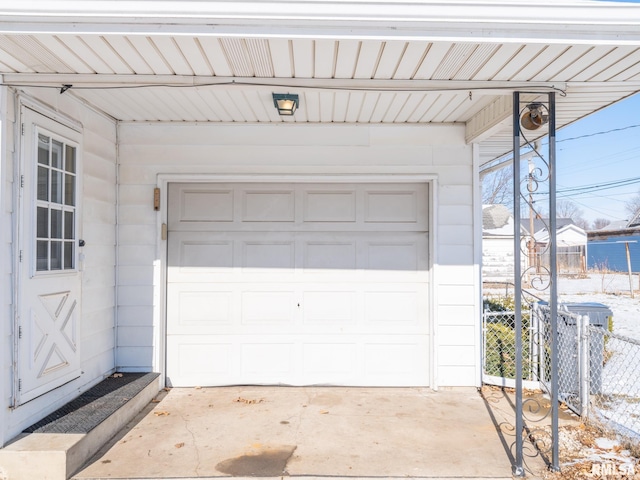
<point x="534" y="117"/>
<point x="285" y="103"/>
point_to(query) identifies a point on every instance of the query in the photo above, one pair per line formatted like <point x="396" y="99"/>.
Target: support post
<point x="518" y="468"/>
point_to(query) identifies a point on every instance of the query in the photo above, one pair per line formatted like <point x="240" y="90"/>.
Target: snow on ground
<point x="611" y="290"/>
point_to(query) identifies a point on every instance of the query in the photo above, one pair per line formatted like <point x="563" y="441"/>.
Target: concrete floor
<point x="311" y="432"/>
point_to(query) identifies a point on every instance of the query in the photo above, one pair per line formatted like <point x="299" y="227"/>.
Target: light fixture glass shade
<point x="285" y="103"/>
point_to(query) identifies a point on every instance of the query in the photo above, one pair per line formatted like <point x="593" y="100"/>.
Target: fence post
<point x="584" y="352"/>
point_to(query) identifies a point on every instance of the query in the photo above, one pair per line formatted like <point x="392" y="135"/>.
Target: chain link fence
<point x="598" y="370"/>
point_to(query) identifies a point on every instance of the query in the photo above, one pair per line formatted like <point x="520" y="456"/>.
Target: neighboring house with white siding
<point x="497" y="245"/>
<point x="158" y="214"/>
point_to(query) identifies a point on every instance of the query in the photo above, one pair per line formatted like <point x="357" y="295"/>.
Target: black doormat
<point x="84" y="413"/>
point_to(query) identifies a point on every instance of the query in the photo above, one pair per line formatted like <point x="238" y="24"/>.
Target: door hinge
<point x="19" y="384"/>
<point x="22" y="129"/>
<point x="156" y="199"/>
<point x="21" y="181"/>
<point x="19" y="331"/>
<point x="20" y="256"/>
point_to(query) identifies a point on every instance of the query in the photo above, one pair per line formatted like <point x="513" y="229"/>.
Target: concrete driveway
<point x="309" y="432"/>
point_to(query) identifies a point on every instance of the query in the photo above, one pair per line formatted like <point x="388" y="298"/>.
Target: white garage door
<point x="298" y="284"/>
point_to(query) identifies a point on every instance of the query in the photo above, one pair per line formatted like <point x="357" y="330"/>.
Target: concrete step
<point x="57" y="446"/>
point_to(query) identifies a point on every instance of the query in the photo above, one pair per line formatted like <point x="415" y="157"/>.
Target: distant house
<point x="608" y="246"/>
<point x="571" y="241"/>
<point x="497" y="244"/>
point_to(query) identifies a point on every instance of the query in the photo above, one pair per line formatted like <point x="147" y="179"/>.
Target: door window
<point x="55" y="204"/>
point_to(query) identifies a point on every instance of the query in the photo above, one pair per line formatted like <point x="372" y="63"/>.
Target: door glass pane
<point x="43" y="183"/>
<point x="56" y="186"/>
<point x="56" y="255"/>
<point x="68" y="226"/>
<point x="56" y="223"/>
<point x="69" y="190"/>
<point x="70" y="160"/>
<point x="43" y="149"/>
<point x="56" y="154"/>
<point x="42" y="230"/>
<point x="68" y="255"/>
<point x="42" y="255"/>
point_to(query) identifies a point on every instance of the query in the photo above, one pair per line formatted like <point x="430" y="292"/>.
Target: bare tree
<point x="568" y="209"/>
<point x="633" y="205"/>
<point x="497" y="187"/>
<point x="599" y="223"/>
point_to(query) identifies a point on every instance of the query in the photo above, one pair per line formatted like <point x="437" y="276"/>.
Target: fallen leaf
<point x="179" y="445"/>
<point x="106" y="461"/>
<point x="116" y="375"/>
<point x="155" y="400"/>
<point x="324" y="412"/>
<point x="160" y="413"/>
<point x="166" y="389"/>
<point x="197" y="388"/>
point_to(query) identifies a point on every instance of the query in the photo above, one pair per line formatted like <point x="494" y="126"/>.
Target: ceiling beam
<point x="79" y="81"/>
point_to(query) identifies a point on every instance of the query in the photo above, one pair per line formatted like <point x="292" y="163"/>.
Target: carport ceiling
<point x="155" y="70"/>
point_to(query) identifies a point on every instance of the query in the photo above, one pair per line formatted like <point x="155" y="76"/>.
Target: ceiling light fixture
<point x="285" y="103"/>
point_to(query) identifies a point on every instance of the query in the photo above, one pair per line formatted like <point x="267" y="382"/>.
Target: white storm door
<point x="50" y="280"/>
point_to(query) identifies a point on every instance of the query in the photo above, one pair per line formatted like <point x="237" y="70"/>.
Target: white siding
<point x="98" y="225"/>
<point x="148" y="150"/>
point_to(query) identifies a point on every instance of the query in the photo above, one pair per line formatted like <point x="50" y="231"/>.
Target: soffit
<point x="184" y="77"/>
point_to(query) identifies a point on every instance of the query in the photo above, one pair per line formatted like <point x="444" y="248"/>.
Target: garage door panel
<point x="298" y="284"/>
<point x="268" y="254"/>
<point x="264" y="307"/>
<point x="329" y="206"/>
<point x="327" y="306"/>
<point x="268" y="206"/>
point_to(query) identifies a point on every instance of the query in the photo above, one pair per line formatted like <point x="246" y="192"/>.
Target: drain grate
<point x="84" y="413"/>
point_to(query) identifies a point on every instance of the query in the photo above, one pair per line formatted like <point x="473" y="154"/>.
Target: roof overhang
<point x="392" y="62"/>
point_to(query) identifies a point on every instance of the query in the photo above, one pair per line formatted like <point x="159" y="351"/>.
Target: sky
<point x="602" y="151"/>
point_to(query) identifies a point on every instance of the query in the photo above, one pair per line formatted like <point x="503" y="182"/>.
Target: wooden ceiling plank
<point x="539" y="65"/>
<point x="311" y="106"/>
<point x="168" y="48"/>
<point x="64" y="53"/>
<point x="148" y="51"/>
<point x="455" y="59"/>
<point x="210" y="97"/>
<point x="303" y="53"/>
<point x="475" y="61"/>
<point x="399" y="101"/>
<point x="106" y="52"/>
<point x="356" y="100"/>
<point x="242" y="106"/>
<point x="340" y="106"/>
<point x="129" y="54"/>
<point x="527" y="54"/>
<point x="83" y="51"/>
<point x="437" y="52"/>
<point x="389" y="59"/>
<point x="192" y="52"/>
<point x="260" y="57"/>
<point x="216" y="56"/>
<point x="603" y="63"/>
<point x="326" y="105"/>
<point x="325" y="58"/>
<point x="368" y="59"/>
<point x="281" y="57"/>
<point x="347" y="58"/>
<point x="496" y="61"/>
<point x="409" y="107"/>
<point x="382" y="107"/>
<point x="410" y="60"/>
<point x="368" y="106"/>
